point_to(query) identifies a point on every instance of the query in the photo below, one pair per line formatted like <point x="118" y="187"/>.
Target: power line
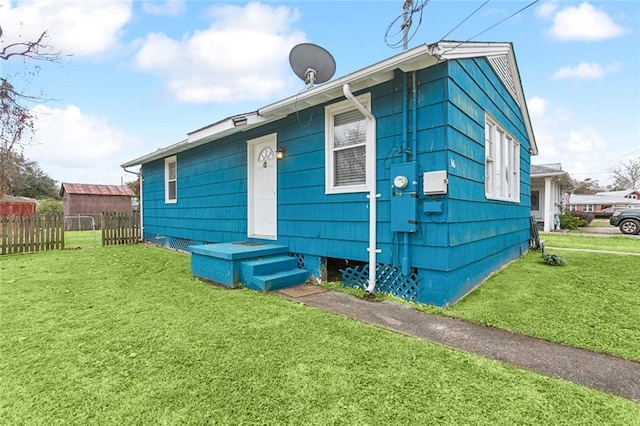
<point x="506" y="19"/>
<point x="464" y="20"/>
<point x="491" y="27"/>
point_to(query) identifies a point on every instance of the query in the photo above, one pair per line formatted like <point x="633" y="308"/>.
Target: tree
<point x="25" y="178"/>
<point x="587" y="186"/>
<point x="16" y="118"/>
<point x="627" y="175"/>
<point x="135" y="186"/>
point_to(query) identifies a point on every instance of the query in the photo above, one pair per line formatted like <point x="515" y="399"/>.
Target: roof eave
<point x="411" y="60"/>
<point x="420" y="57"/>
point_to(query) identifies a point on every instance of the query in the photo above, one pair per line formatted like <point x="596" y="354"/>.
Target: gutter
<point x="139" y="175"/>
<point x="371" y="178"/>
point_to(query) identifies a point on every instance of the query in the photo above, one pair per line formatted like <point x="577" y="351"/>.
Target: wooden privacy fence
<point x="30" y="233"/>
<point x="120" y="228"/>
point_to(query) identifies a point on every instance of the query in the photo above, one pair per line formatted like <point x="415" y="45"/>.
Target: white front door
<point x="262" y="187"/>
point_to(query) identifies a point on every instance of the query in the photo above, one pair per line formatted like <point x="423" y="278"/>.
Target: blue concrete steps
<point x="267" y="265"/>
<point x="258" y="266"/>
<point x="278" y="280"/>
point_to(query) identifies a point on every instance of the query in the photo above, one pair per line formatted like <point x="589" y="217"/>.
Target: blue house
<point x="416" y="167"/>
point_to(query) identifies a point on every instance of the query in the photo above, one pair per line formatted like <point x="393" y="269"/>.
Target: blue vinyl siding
<point x="453" y="250"/>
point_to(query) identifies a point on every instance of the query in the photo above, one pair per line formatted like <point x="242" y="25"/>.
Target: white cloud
<point x="583" y="22"/>
<point x="166" y="7"/>
<point x="561" y="139"/>
<point x="242" y="55"/>
<point x="547" y="9"/>
<point x="585" y="71"/>
<point x="586" y="140"/>
<point x="70" y="146"/>
<point x="79" y="28"/>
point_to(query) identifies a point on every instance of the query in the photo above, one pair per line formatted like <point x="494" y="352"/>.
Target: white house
<point x="549" y="188"/>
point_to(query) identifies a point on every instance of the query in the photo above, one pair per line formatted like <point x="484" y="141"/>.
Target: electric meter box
<point x="434" y="183"/>
<point x="404" y="197"/>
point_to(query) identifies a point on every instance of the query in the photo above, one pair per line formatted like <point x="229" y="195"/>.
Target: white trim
<point x="167" y="161"/>
<point x="272" y="138"/>
<point x="330" y="112"/>
<point x="420" y="57"/>
<point x="502" y="157"/>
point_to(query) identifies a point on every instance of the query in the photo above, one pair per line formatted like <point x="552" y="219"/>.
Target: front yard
<point x="125" y="335"/>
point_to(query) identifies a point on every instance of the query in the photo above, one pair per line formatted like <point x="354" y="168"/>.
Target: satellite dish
<point x="311" y="63"/>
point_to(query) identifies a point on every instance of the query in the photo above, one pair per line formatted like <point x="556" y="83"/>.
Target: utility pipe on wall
<point x="405" y="261"/>
<point x="371" y="179"/>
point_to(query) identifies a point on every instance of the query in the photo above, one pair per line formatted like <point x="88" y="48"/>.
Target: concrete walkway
<point x="606" y="373"/>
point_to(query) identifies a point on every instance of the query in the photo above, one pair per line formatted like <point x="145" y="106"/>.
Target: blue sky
<point x="142" y="74"/>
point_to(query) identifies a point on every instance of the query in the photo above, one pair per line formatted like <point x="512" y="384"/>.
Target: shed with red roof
<point x="91" y="200"/>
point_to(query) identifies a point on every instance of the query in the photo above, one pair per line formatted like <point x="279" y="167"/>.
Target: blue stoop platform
<point x="259" y="266"/>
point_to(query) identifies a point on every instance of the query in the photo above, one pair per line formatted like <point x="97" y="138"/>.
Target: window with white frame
<point x="348" y="139"/>
<point x="589" y="208"/>
<point x="170" y="180"/>
<point x="502" y="163"/>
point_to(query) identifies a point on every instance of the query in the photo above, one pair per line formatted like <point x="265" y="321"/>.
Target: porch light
<point x="280" y="152"/>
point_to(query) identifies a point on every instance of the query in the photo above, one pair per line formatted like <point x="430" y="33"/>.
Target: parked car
<point x="627" y="220"/>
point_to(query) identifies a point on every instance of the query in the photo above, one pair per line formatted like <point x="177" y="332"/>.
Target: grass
<point x="82" y="239"/>
<point x="599" y="223"/>
<point x="125" y="335"/>
<point x="591" y="303"/>
<point x="617" y="243"/>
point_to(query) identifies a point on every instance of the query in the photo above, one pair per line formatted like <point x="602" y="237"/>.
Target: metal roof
<point x="16" y="199"/>
<point x="500" y="56"/>
<point x="92" y="189"/>
<point x="602" y="199"/>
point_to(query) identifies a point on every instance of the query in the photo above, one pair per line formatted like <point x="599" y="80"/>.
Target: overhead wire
<point x="465" y="19"/>
<point x="491" y="27"/>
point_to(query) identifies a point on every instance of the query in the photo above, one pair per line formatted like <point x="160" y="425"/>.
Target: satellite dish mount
<point x="312" y="64"/>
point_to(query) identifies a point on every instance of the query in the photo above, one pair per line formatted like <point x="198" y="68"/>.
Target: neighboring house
<point x="79" y="199"/>
<point x="416" y="167"/>
<point x="10" y="204"/>
<point x="549" y="187"/>
<point x="604" y="202"/>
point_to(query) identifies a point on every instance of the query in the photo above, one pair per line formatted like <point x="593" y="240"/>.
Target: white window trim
<point x="502" y="158"/>
<point x="167" y="161"/>
<point x="330" y="112"/>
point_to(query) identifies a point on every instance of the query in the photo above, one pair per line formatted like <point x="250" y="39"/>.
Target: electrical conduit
<point x="371" y="179"/>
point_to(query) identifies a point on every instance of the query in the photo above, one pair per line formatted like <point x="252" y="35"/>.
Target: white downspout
<point x="371" y="179"/>
<point x="139" y="175"/>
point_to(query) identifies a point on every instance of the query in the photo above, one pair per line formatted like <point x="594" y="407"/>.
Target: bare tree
<point x="627" y="174"/>
<point x="16" y="118"/>
<point x="588" y="186"/>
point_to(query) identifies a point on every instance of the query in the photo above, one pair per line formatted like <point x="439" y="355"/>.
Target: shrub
<point x="553" y="259"/>
<point x="567" y="221"/>
<point x="49" y="206"/>
<point x="586" y="216"/>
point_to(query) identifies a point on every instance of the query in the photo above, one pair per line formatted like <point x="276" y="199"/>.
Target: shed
<point x="79" y="199"/>
<point x="413" y="173"/>
<point x="10" y="204"/>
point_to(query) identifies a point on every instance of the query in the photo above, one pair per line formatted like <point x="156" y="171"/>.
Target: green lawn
<point x="82" y="239"/>
<point x="592" y="302"/>
<point x="125" y="335"/>
<point x="617" y="243"/>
